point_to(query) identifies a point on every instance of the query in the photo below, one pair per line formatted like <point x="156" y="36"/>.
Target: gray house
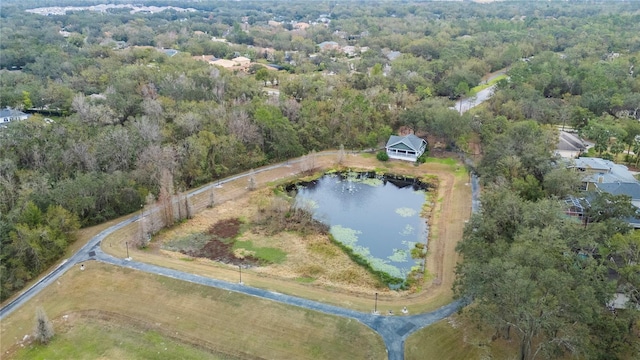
<point x="408" y="147"/>
<point x="8" y="115"/>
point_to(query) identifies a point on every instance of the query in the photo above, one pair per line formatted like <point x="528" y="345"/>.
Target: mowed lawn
<point x="458" y="338"/>
<point x="441" y="341"/>
<point x="113" y="312"/>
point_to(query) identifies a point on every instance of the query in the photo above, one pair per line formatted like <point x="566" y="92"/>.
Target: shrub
<point x="382" y="156"/>
<point x="43" y="331"/>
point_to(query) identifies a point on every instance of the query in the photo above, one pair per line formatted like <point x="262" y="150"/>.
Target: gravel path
<point x="394" y="330"/>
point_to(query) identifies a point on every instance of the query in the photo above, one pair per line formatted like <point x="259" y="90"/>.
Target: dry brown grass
<point x="339" y="281"/>
<point x="217" y="320"/>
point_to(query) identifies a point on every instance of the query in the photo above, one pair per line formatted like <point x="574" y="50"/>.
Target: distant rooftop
<point x="570" y="142"/>
<point x="170" y="52"/>
<point x="11" y="113"/>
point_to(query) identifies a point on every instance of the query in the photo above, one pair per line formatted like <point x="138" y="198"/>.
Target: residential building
<point x="570" y="146"/>
<point x="599" y="171"/>
<point x="8" y="115"/>
<point x="408" y="147"/>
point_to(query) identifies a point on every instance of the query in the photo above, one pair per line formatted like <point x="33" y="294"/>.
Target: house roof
<point x="209" y="58"/>
<point x="392" y="55"/>
<point x="570" y="142"/>
<point x="241" y="59"/>
<point x="224" y="63"/>
<point x="593" y="163"/>
<point x="409" y="142"/>
<point x="603" y="171"/>
<point x="326" y="45"/>
<point x="9" y="112"/>
<point x="170" y="52"/>
<point x="631" y="189"/>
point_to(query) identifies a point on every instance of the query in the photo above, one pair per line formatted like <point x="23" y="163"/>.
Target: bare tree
<point x="252" y="180"/>
<point x="183" y="198"/>
<point x="80" y="105"/>
<point x="189" y="123"/>
<point x="308" y="163"/>
<point x="291" y="110"/>
<point x="148" y="129"/>
<point x="43" y="331"/>
<point x="342" y="155"/>
<point x="91" y="113"/>
<point x="153" y="222"/>
<point x="188" y="209"/>
<point x="212" y="197"/>
<point x="79" y="155"/>
<point x="244" y="130"/>
<point x="115" y="149"/>
<point x="152" y="108"/>
<point x="151" y="161"/>
<point x="166" y="198"/>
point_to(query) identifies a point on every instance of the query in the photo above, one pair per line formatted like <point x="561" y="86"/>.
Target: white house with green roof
<point x="408" y="147"/>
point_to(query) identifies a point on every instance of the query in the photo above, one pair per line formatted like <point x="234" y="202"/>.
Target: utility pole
<point x="375" y="306"/>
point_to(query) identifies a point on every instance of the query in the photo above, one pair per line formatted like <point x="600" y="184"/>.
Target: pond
<point x="377" y="217"/>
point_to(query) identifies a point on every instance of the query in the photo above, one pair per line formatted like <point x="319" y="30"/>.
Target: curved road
<point x="465" y="104"/>
<point x="394" y="330"/>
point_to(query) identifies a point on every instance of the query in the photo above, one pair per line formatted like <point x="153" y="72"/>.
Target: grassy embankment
<point x="110" y="312"/>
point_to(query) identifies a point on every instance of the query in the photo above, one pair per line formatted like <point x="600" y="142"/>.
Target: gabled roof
<point x="570" y="142"/>
<point x="631" y="189"/>
<point x="603" y="171"/>
<point x="409" y="142"/>
<point x="170" y="52"/>
<point x="11" y="113"/>
<point x="593" y="163"/>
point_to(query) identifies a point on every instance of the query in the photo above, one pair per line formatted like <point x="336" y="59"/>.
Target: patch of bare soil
<point x="220" y="247"/>
<point x="225" y="229"/>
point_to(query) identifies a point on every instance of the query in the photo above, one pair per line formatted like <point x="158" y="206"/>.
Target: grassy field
<point x="442" y="341"/>
<point x="91" y="338"/>
<point x="156" y="310"/>
<point x="456" y="338"/>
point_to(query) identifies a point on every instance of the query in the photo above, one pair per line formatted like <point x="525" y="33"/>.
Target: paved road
<point x="394" y="330"/>
<point x="466" y="104"/>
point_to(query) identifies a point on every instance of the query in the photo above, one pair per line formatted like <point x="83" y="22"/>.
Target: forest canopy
<point x="116" y="118"/>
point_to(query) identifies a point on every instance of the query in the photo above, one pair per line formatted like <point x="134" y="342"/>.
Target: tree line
<point x="137" y="127"/>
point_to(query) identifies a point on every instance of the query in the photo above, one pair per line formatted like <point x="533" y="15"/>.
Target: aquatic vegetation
<point x="399" y="255"/>
<point x="406" y="212"/>
<point x="372" y="181"/>
<point x="408" y="230"/>
<point x="345" y="235"/>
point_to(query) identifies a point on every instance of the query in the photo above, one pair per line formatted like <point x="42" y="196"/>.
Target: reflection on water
<point x="378" y="217"/>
